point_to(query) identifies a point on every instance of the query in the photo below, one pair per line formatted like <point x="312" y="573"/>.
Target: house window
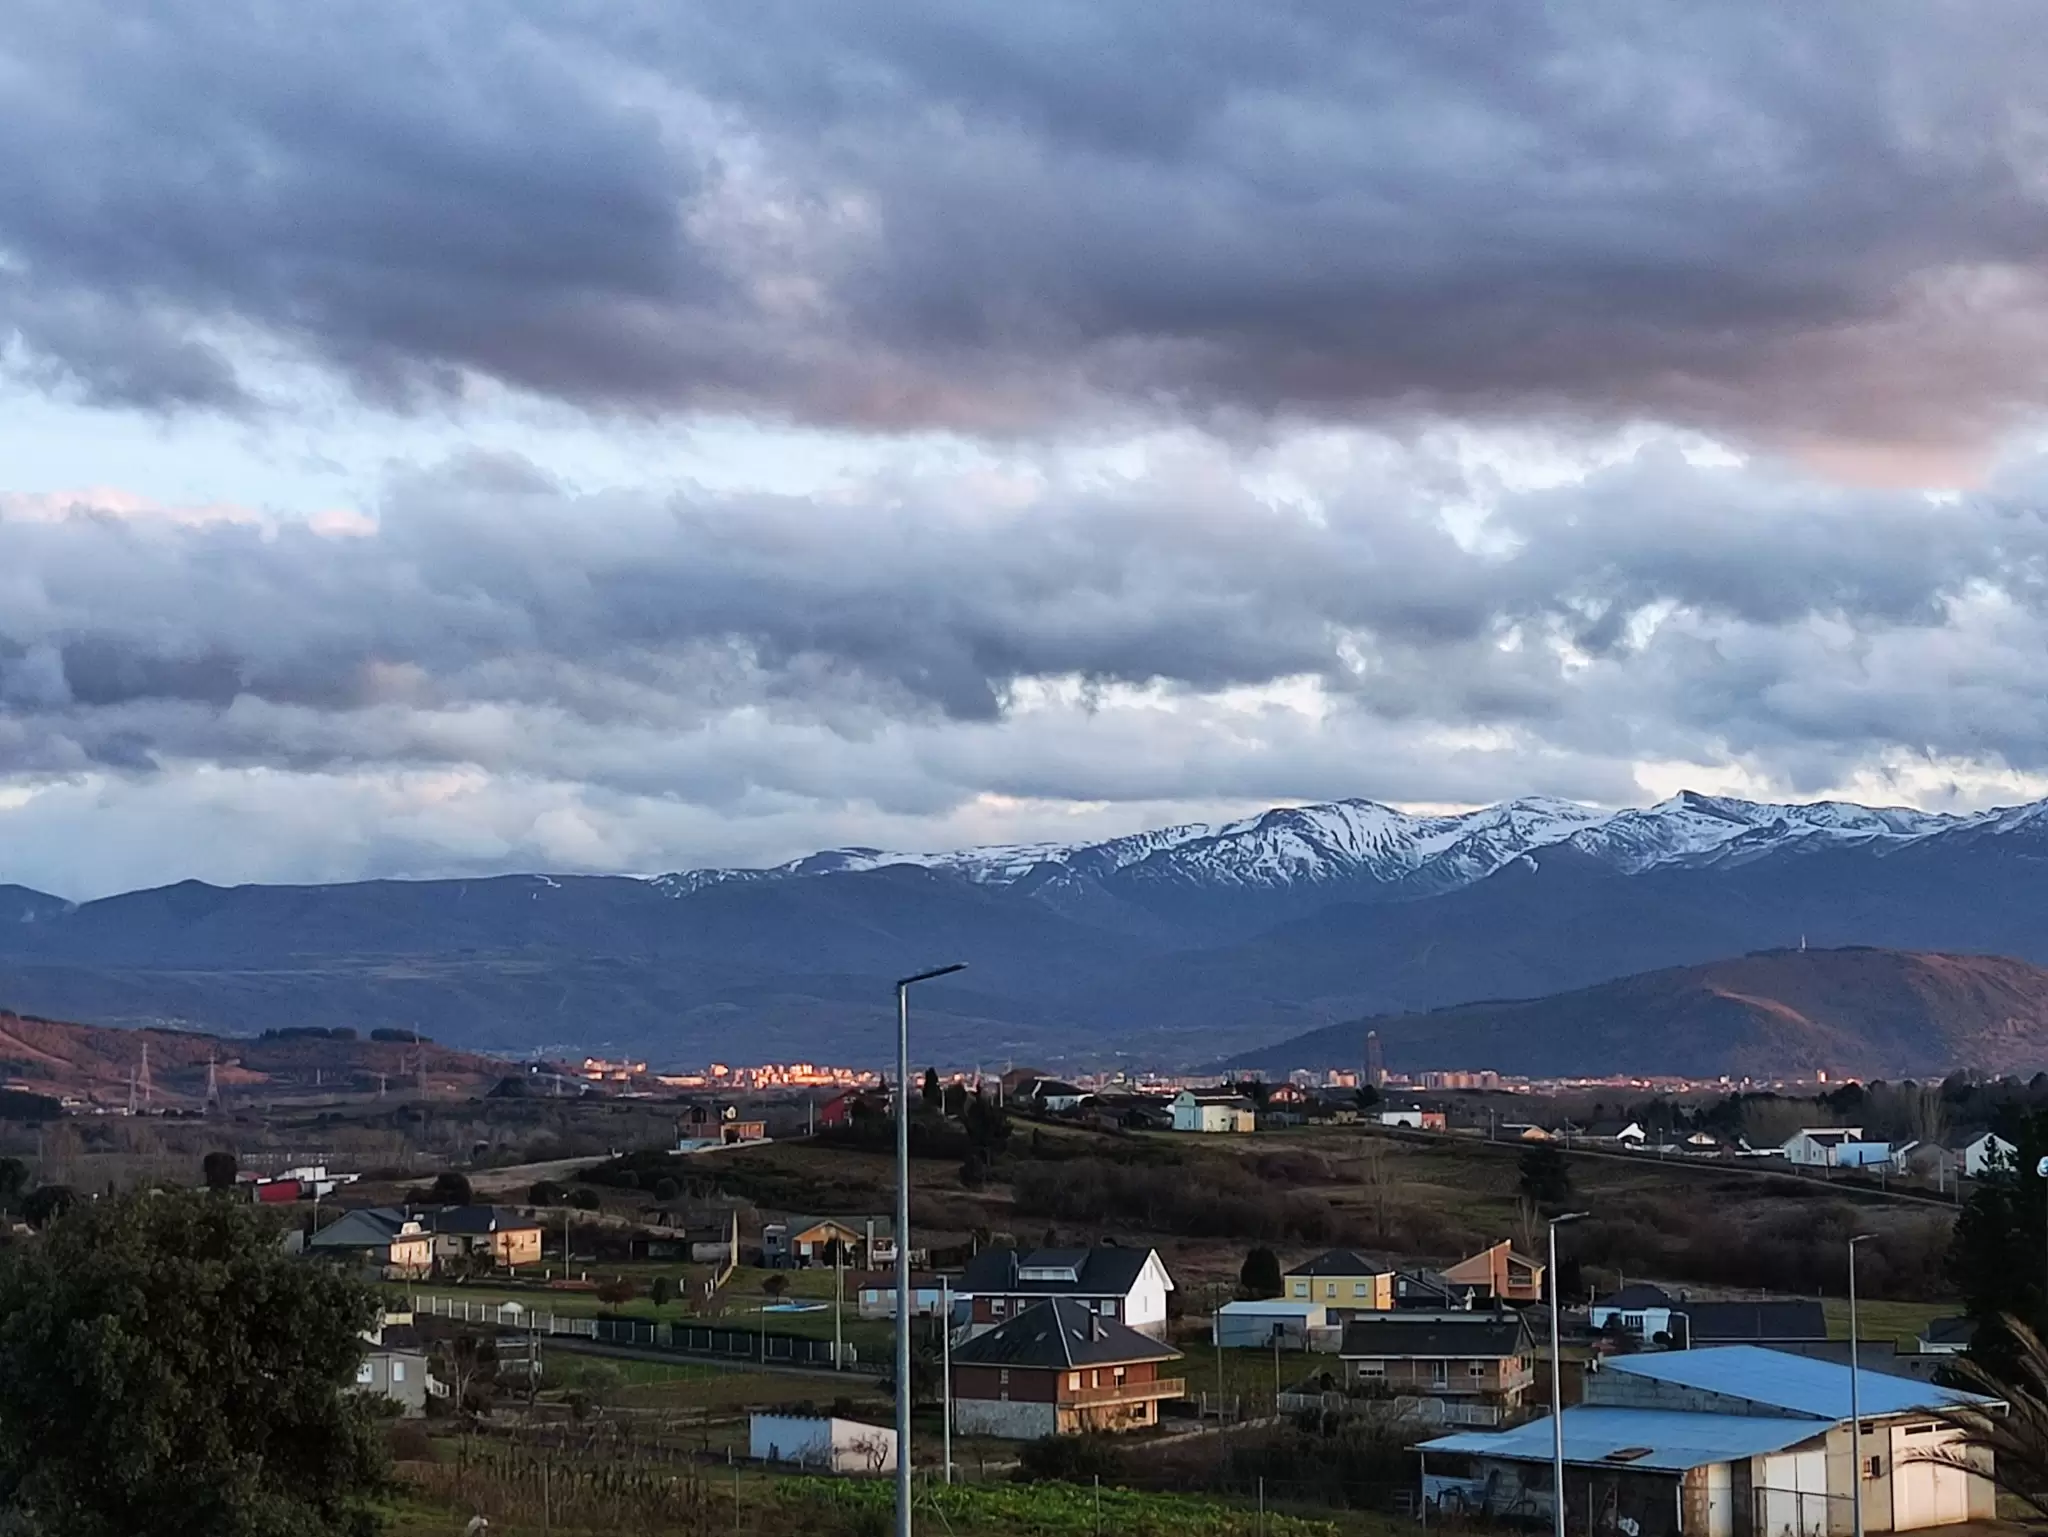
<point x="1095" y="1378"/>
<point x="1301" y="1288"/>
<point x="1073" y="1380"/>
<point x="1109" y="1307"/>
<point x="999" y="1307"/>
<point x="398" y="1371"/>
<point x="1439" y="1373"/>
<point x="364" y="1373"/>
<point x="1372" y="1368"/>
<point x="1358" y="1288"/>
<point x="1003" y="1376"/>
<point x="1330" y="1290"/>
<point x="1479" y="1368"/>
<point x="1119" y="1376"/>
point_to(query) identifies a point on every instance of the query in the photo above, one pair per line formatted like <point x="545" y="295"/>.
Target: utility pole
<point x="946" y="1363"/>
<point x="1557" y="1382"/>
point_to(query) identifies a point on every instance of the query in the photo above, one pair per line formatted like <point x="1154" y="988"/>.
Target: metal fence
<point x="730" y="1344"/>
<point x="504" y="1316"/>
<point x="1425" y="1411"/>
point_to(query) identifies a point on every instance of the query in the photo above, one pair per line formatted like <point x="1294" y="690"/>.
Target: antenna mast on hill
<point x="147" y="1094"/>
<point x="212" y="1081"/>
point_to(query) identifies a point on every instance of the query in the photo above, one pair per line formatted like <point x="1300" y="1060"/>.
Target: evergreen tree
<point x="1998" y="1255"/>
<point x="934" y="1096"/>
<point x="165" y="1368"/>
<point x="1546" y="1174"/>
<point x="1260" y="1277"/>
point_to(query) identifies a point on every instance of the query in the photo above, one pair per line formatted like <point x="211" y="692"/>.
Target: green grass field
<point x="1884" y="1320"/>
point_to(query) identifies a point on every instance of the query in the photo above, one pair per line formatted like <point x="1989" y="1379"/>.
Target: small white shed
<point x="819" y="1441"/>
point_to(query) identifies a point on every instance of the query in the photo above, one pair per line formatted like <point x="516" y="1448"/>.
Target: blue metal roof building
<point x="1776" y="1381"/>
<point x="1730" y="1442"/>
<point x="1651" y="1439"/>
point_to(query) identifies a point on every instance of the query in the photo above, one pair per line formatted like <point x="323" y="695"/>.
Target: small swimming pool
<point x="793" y="1307"/>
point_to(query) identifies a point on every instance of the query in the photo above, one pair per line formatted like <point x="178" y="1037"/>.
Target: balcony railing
<point x="1125" y="1392"/>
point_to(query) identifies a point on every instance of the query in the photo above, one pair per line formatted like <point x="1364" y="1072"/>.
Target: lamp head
<point x="936" y="971"/>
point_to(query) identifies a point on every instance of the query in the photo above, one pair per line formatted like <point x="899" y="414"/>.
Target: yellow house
<point x="1342" y="1279"/>
<point x="1506" y="1275"/>
<point x="508" y="1238"/>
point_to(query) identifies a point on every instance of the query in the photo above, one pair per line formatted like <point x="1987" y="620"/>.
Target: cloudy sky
<point x="458" y="437"/>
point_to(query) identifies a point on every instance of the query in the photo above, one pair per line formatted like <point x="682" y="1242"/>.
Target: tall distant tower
<point x="1375" y="1064"/>
<point x="148" y="1089"/>
<point x="212" y="1081"/>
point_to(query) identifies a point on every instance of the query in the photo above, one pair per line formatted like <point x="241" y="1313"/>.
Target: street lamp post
<point x="1557" y="1382"/>
<point x="903" y="987"/>
<point x="1855" y="1399"/>
<point x="946" y="1363"/>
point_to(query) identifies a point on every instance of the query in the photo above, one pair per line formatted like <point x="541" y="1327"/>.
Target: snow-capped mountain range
<point x="1360" y="842"/>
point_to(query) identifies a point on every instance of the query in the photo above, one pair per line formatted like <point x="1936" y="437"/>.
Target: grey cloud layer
<point x="1822" y="221"/>
<point x="1658" y="609"/>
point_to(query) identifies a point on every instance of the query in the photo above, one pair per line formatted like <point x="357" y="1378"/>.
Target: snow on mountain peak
<point x="1365" y="842"/>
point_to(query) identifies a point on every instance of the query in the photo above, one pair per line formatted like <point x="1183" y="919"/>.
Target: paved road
<point x="1681" y="1166"/>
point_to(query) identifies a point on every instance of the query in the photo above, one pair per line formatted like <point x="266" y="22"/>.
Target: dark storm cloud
<point x="1823" y="221"/>
<point x="1754" y="607"/>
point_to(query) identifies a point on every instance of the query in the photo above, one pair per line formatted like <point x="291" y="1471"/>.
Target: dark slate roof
<point x="1754" y="1323"/>
<point x="1433" y="1335"/>
<point x="1635" y="1297"/>
<point x="474" y="1219"/>
<point x="1104" y="1271"/>
<point x="1415" y="1287"/>
<point x="367" y="1227"/>
<point x="1057" y="1334"/>
<point x="1949" y="1331"/>
<point x="1345" y="1262"/>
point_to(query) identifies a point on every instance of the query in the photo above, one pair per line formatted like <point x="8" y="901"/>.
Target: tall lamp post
<point x="1855" y="1398"/>
<point x="1557" y="1381"/>
<point x="903" y="987"/>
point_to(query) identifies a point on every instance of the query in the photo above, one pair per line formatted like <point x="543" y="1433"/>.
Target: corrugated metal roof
<point x="1665" y="1441"/>
<point x="1790" y="1383"/>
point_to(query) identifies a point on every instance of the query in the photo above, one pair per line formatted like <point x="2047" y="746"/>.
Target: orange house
<point x="1501" y="1272"/>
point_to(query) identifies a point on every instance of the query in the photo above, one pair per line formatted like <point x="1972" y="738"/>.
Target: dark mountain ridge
<point x="1072" y="956"/>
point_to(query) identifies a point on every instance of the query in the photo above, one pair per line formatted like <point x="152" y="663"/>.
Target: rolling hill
<point x="93" y="1063"/>
<point x="1851" y="1011"/>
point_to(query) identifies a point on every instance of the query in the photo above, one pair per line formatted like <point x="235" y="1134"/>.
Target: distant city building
<point x="1375" y="1062"/>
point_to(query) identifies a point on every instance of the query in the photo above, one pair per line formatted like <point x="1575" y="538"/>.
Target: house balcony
<point x="1123" y="1393"/>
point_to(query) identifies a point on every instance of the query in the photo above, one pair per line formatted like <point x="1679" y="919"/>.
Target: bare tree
<point x="1928" y="1114"/>
<point x="1376" y="1181"/>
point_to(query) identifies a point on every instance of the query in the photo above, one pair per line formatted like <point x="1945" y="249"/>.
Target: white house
<point x="1819" y="1147"/>
<point x="1989" y="1154"/>
<point x="1641" y="1310"/>
<point x="1414" y="1118"/>
<point x="818" y="1441"/>
<point x="1213" y="1112"/>
<point x="1111" y="1281"/>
